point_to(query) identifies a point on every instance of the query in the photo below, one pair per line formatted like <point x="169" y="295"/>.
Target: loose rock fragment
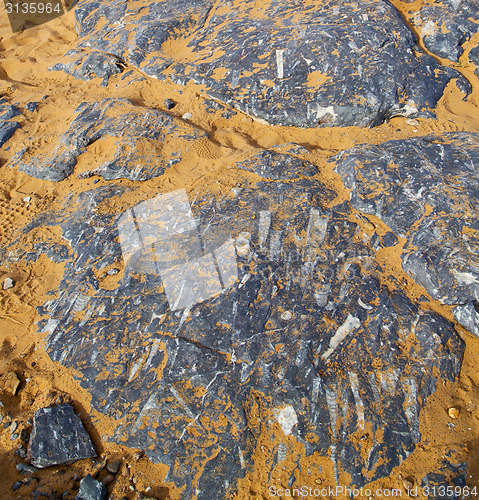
<point x="453" y="412"/>
<point x="91" y="489"/>
<point x="113" y="466"/>
<point x="8" y="283"/>
<point x="26" y="468"/>
<point x="12" y="383"/>
<point x="58" y="437"/>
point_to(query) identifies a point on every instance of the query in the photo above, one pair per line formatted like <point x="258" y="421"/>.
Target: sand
<point x="25" y="58"/>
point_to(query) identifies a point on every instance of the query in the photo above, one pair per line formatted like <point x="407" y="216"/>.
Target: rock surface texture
<point x="7" y="125"/>
<point x="252" y="320"/>
<point x="427" y="191"/>
<point x="289" y="63"/>
<point x="140" y="136"/>
<point x="446" y="26"/>
<point x="265" y="292"/>
<point x="58" y="437"/>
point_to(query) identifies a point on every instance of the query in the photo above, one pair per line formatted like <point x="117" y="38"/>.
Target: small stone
<point x="113" y="466"/>
<point x="112" y="272"/>
<point x="25" y="468"/>
<point x="91" y="489"/>
<point x="12" y="383"/>
<point x="169" y="104"/>
<point x="16" y="486"/>
<point x="287" y="315"/>
<point x="31" y="106"/>
<point x="13" y="427"/>
<point x="14" y="437"/>
<point x="408" y="483"/>
<point x="24" y="435"/>
<point x="137" y="455"/>
<point x="453" y="412"/>
<point x="58" y="437"/>
<point x="8" y="283"/>
<point x="187" y="116"/>
<point x="108" y="479"/>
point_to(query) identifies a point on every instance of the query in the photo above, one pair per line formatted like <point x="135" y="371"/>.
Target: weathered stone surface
<point x="277" y="166"/>
<point x="91" y="489"/>
<point x="92" y="65"/>
<point x="448" y="483"/>
<point x="7" y="125"/>
<point x="426" y="190"/>
<point x="445" y="26"/>
<point x="141" y="135"/>
<point x="58" y="437"/>
<point x="315" y="64"/>
<point x="237" y="315"/>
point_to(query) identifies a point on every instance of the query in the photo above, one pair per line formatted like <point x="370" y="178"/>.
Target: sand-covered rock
<point x="140" y="137"/>
<point x="7" y="125"/>
<point x="445" y="27"/>
<point x="328" y="63"/>
<point x="427" y="191"/>
<point x="263" y="299"/>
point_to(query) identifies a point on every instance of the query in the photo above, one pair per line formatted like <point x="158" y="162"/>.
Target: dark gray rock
<point x="236" y="314"/>
<point x="58" y="437"/>
<point x="467" y="315"/>
<point x="331" y="63"/>
<point x="427" y="191"/>
<point x="446" y="26"/>
<point x="8" y="111"/>
<point x="140" y="134"/>
<point x="31" y="106"/>
<point x="26" y="468"/>
<point x="277" y="166"/>
<point x="7" y="126"/>
<point x="91" y="489"/>
<point x="90" y="65"/>
<point x="448" y="483"/>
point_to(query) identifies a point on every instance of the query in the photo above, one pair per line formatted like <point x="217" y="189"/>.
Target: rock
<point x="445" y="479"/>
<point x="444" y="27"/>
<point x="426" y="190"/>
<point x="11" y="383"/>
<point x="220" y="348"/>
<point x="408" y="483"/>
<point x="332" y="64"/>
<point x="108" y="479"/>
<point x="7" y="283"/>
<point x="16" y="486"/>
<point x="58" y="437"/>
<point x="169" y="104"/>
<point x="31" y="106"/>
<point x="26" y="468"/>
<point x="453" y="412"/>
<point x="140" y="134"/>
<point x="113" y="466"/>
<point x="467" y="315"/>
<point x="7" y="127"/>
<point x="91" y="489"/>
<point x="93" y="65"/>
<point x="276" y="166"/>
